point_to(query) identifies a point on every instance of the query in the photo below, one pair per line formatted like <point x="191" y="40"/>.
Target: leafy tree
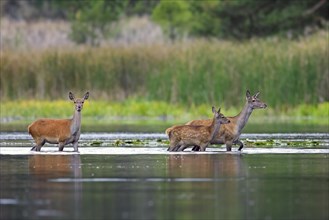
<point x="140" y="7"/>
<point x="248" y="18"/>
<point x="241" y="19"/>
<point x="204" y="21"/>
<point x="91" y="21"/>
<point x="174" y="16"/>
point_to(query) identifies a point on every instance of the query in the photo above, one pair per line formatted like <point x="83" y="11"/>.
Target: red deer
<point x="58" y="131"/>
<point x="229" y="133"/>
<point x="184" y="136"/>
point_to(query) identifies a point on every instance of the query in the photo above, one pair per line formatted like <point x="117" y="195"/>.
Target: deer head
<point x="254" y="101"/>
<point x="79" y="101"/>
<point x="219" y="117"/>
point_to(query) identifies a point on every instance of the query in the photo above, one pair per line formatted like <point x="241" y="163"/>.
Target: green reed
<point x="132" y="110"/>
<point x="287" y="73"/>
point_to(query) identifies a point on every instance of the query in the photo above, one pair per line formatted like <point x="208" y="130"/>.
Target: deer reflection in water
<point x="216" y="178"/>
<point x="55" y="166"/>
<point x="206" y="165"/>
<point x="56" y="198"/>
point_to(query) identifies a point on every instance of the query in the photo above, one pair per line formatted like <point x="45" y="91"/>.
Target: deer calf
<point x="184" y="136"/>
<point x="229" y="134"/>
<point x="58" y="131"/>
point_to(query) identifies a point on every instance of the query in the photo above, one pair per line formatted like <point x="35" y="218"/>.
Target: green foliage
<point x="287" y="73"/>
<point x="104" y="110"/>
<point x="174" y="16"/>
<point x="140" y="7"/>
<point x="243" y="19"/>
<point x="249" y="18"/>
<point x="239" y="19"/>
<point x="91" y="21"/>
<point x="204" y="20"/>
<point x="319" y="110"/>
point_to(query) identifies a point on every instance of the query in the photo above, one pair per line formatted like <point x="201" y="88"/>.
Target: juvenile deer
<point x="229" y="133"/>
<point x="58" y="131"/>
<point x="184" y="136"/>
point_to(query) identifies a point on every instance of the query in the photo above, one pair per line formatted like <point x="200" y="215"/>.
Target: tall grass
<point x="131" y="111"/>
<point x="287" y="73"/>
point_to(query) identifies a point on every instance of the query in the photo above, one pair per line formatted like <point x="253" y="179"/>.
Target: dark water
<point x="165" y="186"/>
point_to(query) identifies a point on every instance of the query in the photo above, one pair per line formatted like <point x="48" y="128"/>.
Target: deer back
<point x="51" y="128"/>
<point x="226" y="131"/>
<point x="190" y="132"/>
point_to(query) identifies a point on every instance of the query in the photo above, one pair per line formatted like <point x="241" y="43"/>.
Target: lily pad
<point x="96" y="143"/>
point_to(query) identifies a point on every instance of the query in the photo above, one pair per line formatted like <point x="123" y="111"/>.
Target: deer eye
<point x="253" y="100"/>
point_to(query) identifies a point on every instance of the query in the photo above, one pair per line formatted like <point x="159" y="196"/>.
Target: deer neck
<point x="242" y="117"/>
<point x="214" y="128"/>
<point x="76" y="122"/>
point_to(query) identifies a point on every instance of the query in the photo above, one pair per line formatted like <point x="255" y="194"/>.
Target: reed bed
<point x="130" y="111"/>
<point x="192" y="73"/>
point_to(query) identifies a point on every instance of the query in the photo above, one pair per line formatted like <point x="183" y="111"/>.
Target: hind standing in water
<point x="59" y="131"/>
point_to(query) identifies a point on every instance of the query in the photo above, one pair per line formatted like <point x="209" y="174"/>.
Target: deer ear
<point x="218" y="110"/>
<point x="256" y="95"/>
<point x="213" y="109"/>
<point x="71" y="96"/>
<point x="86" y="96"/>
<point x="248" y="94"/>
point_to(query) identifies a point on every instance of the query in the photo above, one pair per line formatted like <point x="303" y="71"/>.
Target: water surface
<point x="144" y="181"/>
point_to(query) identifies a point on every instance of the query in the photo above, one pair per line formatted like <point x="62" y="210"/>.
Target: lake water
<point x="132" y="176"/>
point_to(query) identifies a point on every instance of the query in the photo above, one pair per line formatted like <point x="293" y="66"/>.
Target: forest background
<point x="156" y="61"/>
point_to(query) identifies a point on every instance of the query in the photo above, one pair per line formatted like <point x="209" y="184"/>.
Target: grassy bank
<point x="154" y="116"/>
<point x="131" y="107"/>
<point x="288" y="73"/>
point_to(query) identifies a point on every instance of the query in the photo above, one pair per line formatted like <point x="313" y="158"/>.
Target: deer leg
<point x="196" y="148"/>
<point x="173" y="146"/>
<point x="228" y="146"/>
<point x="203" y="147"/>
<point x="240" y="144"/>
<point x="182" y="147"/>
<point x="176" y="147"/>
<point x="61" y="146"/>
<point x="38" y="144"/>
<point x="36" y="148"/>
<point x="75" y="146"/>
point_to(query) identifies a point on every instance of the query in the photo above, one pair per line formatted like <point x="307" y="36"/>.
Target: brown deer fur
<point x="184" y="136"/>
<point x="229" y="133"/>
<point x="58" y="131"/>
